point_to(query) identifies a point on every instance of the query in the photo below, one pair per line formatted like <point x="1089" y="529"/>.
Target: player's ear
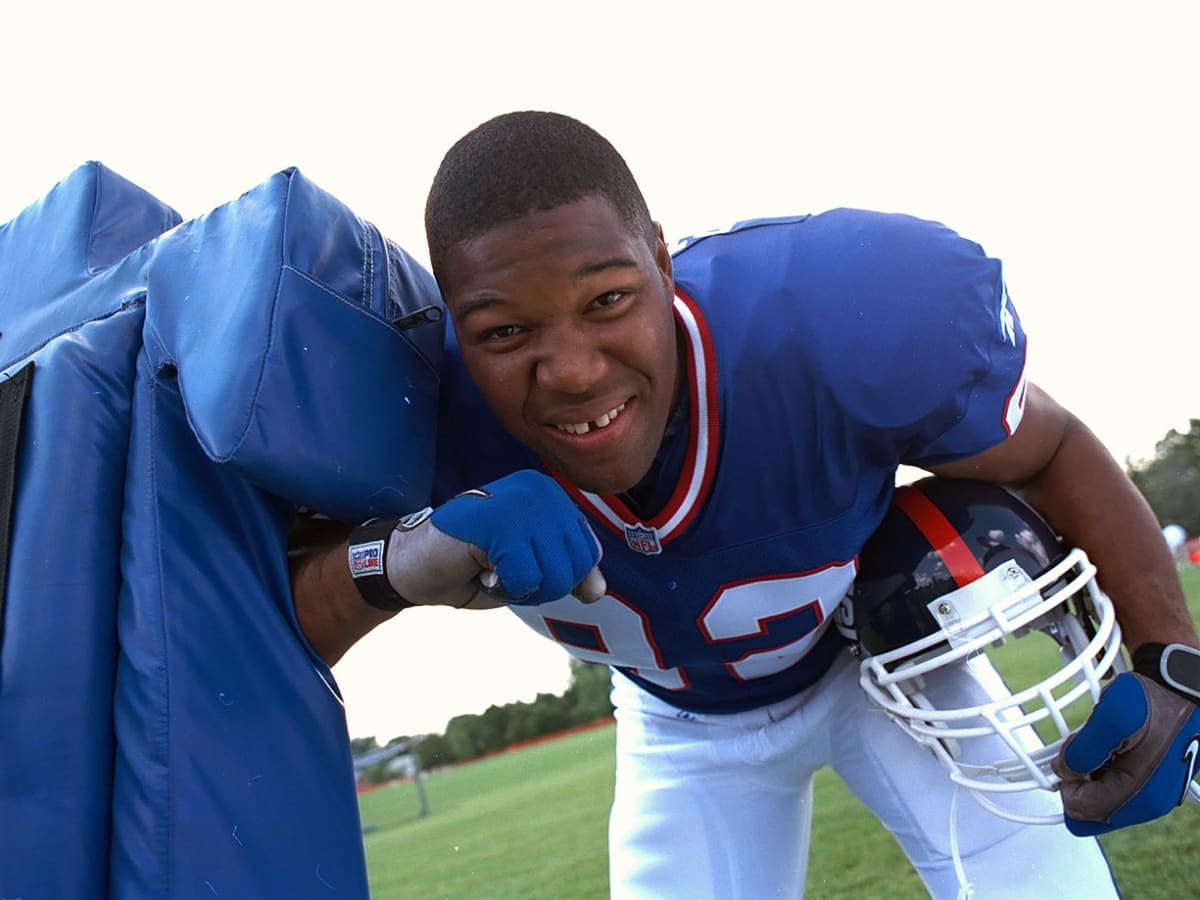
<point x="662" y="259"/>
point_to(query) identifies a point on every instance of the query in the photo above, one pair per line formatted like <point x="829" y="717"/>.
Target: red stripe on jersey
<point x="941" y="535"/>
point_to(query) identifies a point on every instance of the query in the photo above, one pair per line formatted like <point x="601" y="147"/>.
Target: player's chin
<point x="601" y="477"/>
<point x="603" y="487"/>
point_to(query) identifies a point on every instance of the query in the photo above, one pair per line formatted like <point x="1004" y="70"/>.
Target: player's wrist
<point x="370" y="557"/>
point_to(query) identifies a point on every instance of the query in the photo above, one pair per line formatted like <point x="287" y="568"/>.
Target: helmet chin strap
<point x="1023" y="818"/>
<point x="965" y="889"/>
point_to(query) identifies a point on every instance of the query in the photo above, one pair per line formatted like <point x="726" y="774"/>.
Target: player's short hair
<point x="523" y="162"/>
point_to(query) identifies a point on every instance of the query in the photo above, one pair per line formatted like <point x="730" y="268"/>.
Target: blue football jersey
<point x="821" y="352"/>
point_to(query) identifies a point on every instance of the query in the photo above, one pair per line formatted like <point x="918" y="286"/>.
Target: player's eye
<point x="500" y="333"/>
<point x="609" y="298"/>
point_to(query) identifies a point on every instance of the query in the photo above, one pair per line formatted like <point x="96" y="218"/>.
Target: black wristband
<point x="1146" y="659"/>
<point x="367" y="559"/>
<point x="1174" y="666"/>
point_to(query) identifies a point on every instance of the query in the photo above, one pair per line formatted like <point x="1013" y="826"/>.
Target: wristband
<point x="367" y="559"/>
<point x="1174" y="666"/>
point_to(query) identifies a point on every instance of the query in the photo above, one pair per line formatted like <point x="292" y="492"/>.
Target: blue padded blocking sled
<point x="273" y="377"/>
<point x="71" y="313"/>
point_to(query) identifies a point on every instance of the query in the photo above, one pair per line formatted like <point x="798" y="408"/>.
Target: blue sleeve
<point x="884" y="337"/>
<point x="993" y="403"/>
<point x="920" y="344"/>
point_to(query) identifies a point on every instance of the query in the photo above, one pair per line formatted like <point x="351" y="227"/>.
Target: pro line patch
<point x="366" y="559"/>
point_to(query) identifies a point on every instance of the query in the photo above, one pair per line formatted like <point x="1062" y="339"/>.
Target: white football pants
<point x="719" y="807"/>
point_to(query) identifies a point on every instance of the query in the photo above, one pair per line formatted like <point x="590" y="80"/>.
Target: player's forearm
<point x="1085" y="495"/>
<point x="332" y="613"/>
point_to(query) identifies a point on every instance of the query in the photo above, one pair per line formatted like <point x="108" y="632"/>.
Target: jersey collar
<point x="700" y="463"/>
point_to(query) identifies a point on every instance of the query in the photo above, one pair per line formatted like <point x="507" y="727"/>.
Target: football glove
<point x="533" y="536"/>
<point x="519" y="540"/>
<point x="1135" y="757"/>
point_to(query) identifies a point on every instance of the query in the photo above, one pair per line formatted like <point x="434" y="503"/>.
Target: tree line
<point x="473" y="735"/>
<point x="1170" y="481"/>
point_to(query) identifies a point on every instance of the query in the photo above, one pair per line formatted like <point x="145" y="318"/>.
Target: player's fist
<point x="523" y="528"/>
<point x="1132" y="761"/>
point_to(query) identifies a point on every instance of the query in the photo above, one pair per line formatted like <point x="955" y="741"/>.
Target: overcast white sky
<point x="1061" y="136"/>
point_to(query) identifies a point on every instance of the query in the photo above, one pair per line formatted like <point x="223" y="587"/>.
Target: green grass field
<point x="530" y="825"/>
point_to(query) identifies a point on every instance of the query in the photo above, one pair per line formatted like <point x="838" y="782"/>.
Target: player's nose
<point x="569" y="360"/>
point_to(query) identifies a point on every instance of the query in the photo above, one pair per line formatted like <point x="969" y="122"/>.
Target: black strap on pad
<point x="14" y="390"/>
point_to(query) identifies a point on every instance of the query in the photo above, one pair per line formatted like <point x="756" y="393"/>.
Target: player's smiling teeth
<point x="585" y="427"/>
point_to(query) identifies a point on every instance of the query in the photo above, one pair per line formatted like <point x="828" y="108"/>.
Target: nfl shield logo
<point x="642" y="539"/>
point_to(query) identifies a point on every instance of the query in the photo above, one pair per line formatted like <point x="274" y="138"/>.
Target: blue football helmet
<point x="956" y="569"/>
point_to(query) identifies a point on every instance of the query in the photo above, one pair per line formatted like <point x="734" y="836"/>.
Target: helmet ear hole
<point x="978" y="633"/>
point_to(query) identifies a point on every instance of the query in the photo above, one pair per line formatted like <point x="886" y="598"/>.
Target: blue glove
<point x="1132" y="761"/>
<point x="535" y="538"/>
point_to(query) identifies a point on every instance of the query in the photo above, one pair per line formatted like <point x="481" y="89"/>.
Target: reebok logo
<point x="1008" y="322"/>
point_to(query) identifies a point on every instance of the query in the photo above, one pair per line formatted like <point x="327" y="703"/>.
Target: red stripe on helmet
<point x="941" y="535"/>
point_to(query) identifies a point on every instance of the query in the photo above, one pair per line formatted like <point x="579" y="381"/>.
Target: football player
<point x="668" y="462"/>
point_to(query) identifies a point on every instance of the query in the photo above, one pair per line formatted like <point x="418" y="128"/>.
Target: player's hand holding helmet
<point x="1135" y="757"/>
<point x="519" y="539"/>
<point x="955" y="569"/>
